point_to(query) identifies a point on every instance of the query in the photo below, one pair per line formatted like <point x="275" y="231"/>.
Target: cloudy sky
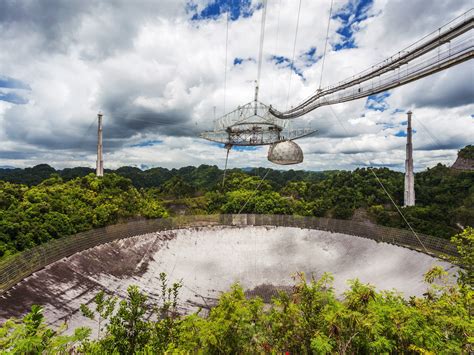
<point x="156" y="70"/>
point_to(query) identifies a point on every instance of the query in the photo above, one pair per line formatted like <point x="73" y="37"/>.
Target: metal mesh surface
<point x="21" y="265"/>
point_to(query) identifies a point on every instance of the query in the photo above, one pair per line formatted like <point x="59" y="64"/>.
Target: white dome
<point x="285" y="153"/>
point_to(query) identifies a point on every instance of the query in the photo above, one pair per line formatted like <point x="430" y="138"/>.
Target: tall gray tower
<point x="100" y="161"/>
<point x="409" y="177"/>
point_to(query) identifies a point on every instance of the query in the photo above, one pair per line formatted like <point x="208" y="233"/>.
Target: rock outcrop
<point x="465" y="159"/>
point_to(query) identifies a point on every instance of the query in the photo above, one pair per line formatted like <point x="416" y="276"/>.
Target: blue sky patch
<point x="148" y="143"/>
<point x="286" y="63"/>
<point x="13" y="98"/>
<point x="11" y="83"/>
<point x="9" y="96"/>
<point x="397" y="110"/>
<point x="310" y="57"/>
<point x="403" y="133"/>
<point x="350" y="16"/>
<point x="236" y="147"/>
<point x="377" y="102"/>
<point x="244" y="148"/>
<point x="238" y="61"/>
<point x="215" y="8"/>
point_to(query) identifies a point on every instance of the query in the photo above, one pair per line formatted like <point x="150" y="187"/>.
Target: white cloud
<point x="142" y="63"/>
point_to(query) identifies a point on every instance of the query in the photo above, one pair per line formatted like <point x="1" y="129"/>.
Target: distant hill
<point x="203" y="177"/>
<point x="465" y="159"/>
<point x="445" y="200"/>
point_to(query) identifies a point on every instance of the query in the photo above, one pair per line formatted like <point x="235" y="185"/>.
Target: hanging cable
<point x="225" y="81"/>
<point x="398" y="209"/>
<point x="436" y="140"/>
<point x="226" y="51"/>
<point x="276" y="45"/>
<point x="292" y="67"/>
<point x="228" y="147"/>
<point x="260" y="52"/>
<point x="254" y="191"/>
<point x="86" y="135"/>
<point x="382" y="185"/>
<point x="325" y="47"/>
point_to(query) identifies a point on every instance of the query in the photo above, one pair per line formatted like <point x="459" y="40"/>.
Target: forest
<point x="40" y="203"/>
<point x="53" y="209"/>
<point x="308" y="319"/>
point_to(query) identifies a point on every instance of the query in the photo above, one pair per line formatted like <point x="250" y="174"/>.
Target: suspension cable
<point x="433" y="138"/>
<point x="382" y="185"/>
<point x="276" y="45"/>
<point x="398" y="209"/>
<point x="260" y="52"/>
<point x="226" y="51"/>
<point x="293" y="57"/>
<point x="228" y="147"/>
<point x="325" y="47"/>
<point x="86" y="135"/>
<point x="254" y="191"/>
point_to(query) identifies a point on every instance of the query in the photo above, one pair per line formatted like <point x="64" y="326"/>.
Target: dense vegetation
<point x="41" y="203"/>
<point x="310" y="319"/>
<point x="467" y="152"/>
<point x="33" y="215"/>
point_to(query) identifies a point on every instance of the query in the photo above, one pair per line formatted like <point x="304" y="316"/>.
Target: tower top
<point x="409" y="112"/>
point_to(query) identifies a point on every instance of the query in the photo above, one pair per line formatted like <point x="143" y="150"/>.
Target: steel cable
<point x="292" y="67"/>
<point x="325" y="46"/>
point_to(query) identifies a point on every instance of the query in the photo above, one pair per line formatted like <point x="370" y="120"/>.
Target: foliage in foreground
<point x="309" y="319"/>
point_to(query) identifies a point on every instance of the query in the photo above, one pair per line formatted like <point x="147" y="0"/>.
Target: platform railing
<point x="22" y="265"/>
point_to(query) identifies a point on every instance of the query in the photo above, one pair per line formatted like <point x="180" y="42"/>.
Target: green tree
<point x="32" y="336"/>
<point x="177" y="187"/>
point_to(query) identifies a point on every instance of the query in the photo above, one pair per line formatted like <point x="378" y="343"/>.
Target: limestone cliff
<point x="465" y="159"/>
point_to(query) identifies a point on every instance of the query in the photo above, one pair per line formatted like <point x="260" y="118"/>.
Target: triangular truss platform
<point x="251" y="125"/>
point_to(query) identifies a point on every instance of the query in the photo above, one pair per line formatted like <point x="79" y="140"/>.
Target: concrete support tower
<point x="409" y="176"/>
<point x="100" y="161"/>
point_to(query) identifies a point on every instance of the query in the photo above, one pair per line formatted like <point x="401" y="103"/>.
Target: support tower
<point x="100" y="161"/>
<point x="409" y="176"/>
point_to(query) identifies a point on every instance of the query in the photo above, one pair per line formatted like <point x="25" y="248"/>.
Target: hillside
<point x="465" y="159"/>
<point x="40" y="203"/>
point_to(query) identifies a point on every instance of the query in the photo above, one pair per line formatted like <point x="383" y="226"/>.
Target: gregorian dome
<point x="285" y="153"/>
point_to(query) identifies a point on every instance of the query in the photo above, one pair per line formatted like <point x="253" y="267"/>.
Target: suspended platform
<point x="252" y="125"/>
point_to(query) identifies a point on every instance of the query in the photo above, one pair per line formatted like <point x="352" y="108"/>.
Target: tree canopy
<point x="49" y="204"/>
<point x="33" y="215"/>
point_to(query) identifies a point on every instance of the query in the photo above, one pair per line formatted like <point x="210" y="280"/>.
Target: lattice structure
<point x="251" y="125"/>
<point x="21" y="265"/>
<point x="449" y="45"/>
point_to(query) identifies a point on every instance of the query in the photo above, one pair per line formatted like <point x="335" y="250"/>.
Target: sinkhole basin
<point x="208" y="260"/>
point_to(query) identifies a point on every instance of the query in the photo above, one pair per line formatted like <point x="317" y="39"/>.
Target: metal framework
<point x="21" y="265"/>
<point x="252" y="125"/>
<point x="450" y="45"/>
